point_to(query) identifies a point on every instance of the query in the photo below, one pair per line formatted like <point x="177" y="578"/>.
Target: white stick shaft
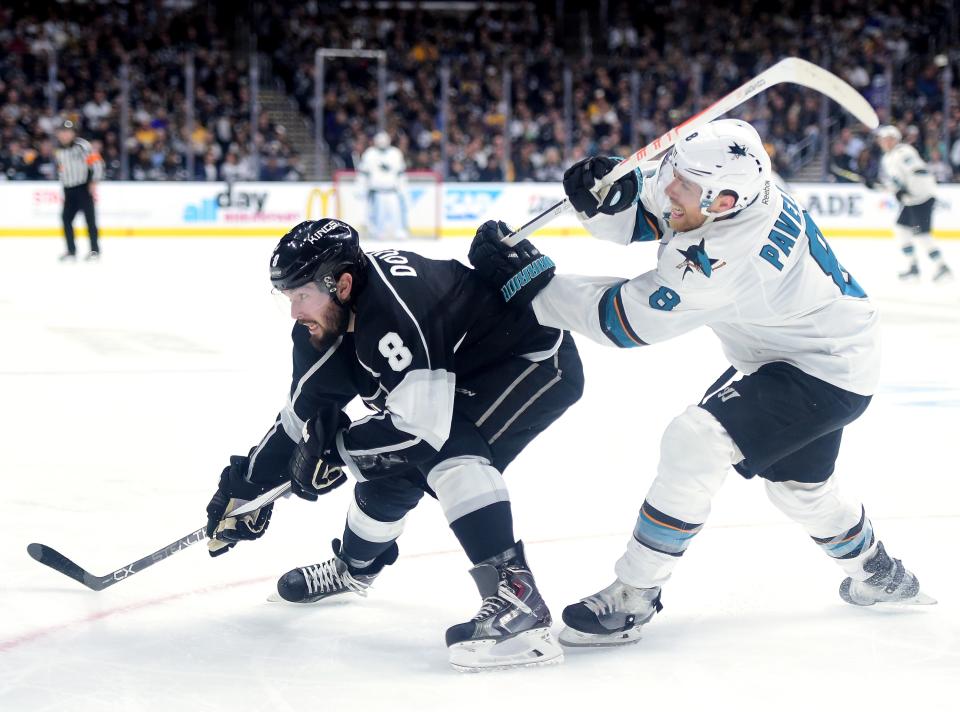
<point x="792" y="70"/>
<point x="264" y="499"/>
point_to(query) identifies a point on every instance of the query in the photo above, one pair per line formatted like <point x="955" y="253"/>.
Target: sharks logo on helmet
<point x="737" y="151"/>
<point x="724" y="156"/>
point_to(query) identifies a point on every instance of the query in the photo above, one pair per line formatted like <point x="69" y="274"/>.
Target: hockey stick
<point x="58" y="562"/>
<point x="792" y="70"/>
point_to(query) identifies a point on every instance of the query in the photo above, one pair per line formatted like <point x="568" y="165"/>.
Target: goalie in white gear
<point x="905" y="174"/>
<point x="382" y="184"/>
<point x="740" y="256"/>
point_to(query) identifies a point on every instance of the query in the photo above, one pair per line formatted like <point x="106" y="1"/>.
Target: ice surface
<point x="127" y="384"/>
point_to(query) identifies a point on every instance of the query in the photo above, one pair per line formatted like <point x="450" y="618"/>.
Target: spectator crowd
<point x="78" y="49"/>
<point x="629" y="77"/>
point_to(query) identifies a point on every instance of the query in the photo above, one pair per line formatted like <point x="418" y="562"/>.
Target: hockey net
<point x="423" y="200"/>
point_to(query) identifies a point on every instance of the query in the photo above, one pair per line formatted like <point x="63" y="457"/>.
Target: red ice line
<point x="10" y="644"/>
<point x="7" y="645"/>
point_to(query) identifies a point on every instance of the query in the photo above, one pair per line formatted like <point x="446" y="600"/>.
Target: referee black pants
<point x="76" y="199"/>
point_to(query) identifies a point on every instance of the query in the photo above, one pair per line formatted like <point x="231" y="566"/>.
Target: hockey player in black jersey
<point x="459" y="383"/>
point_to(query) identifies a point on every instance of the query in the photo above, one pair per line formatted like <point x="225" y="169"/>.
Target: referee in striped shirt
<point x="79" y="166"/>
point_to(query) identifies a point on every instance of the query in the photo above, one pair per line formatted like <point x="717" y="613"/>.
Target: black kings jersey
<point x="420" y="324"/>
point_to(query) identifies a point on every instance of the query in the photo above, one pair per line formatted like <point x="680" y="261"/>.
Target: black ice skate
<point x="911" y="274"/>
<point x="943" y="274"/>
<point x="310" y="584"/>
<point x="512" y="627"/>
<point x="890" y="583"/>
<point x="614" y="616"/>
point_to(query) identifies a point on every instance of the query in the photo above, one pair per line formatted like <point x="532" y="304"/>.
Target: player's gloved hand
<point x="233" y="491"/>
<point x="310" y="475"/>
<point x="519" y="272"/>
<point x="579" y="179"/>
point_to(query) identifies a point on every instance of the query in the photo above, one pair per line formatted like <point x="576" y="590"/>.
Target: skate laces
<point x="600" y="603"/>
<point x="327" y="578"/>
<point x="614" y="599"/>
<point x="503" y="596"/>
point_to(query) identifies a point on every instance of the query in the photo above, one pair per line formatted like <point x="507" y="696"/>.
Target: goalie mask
<point x="316" y="251"/>
<point x="724" y="155"/>
<point x="889" y="131"/>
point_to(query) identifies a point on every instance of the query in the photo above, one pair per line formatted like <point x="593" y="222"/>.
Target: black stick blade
<point x="58" y="562"/>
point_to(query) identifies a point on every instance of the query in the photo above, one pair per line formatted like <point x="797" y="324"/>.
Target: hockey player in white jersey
<point x="905" y="174"/>
<point x="740" y="256"/>
<point x="383" y="185"/>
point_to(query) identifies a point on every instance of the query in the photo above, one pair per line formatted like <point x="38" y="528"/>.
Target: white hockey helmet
<point x="381" y="139"/>
<point x="889" y="131"/>
<point x="724" y="155"/>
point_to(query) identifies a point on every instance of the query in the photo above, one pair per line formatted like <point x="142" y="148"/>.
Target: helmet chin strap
<point x="711" y="216"/>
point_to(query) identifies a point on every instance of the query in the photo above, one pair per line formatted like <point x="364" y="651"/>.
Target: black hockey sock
<point x="360" y="553"/>
<point x="485" y="532"/>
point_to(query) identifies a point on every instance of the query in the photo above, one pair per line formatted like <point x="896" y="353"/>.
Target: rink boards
<point x="188" y="209"/>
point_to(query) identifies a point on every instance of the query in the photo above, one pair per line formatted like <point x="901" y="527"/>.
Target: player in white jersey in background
<point x="905" y="174"/>
<point x="740" y="256"/>
<point x="384" y="187"/>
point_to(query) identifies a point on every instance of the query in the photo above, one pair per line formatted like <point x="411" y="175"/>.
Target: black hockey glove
<point x="579" y="179"/>
<point x="233" y="491"/>
<point x="310" y="475"/>
<point x="519" y="272"/>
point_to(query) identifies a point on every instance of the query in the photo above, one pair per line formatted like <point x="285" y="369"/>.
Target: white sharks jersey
<point x="764" y="280"/>
<point x="902" y="169"/>
<point x="382" y="168"/>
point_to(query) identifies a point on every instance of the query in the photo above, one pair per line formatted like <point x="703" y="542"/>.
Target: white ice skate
<point x="890" y="583"/>
<point x="613" y="616"/>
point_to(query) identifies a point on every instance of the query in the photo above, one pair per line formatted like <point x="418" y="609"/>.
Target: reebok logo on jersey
<point x="697" y="260"/>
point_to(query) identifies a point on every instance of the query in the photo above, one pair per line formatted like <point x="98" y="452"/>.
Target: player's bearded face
<point x="684" y="198"/>
<point x="324" y="317"/>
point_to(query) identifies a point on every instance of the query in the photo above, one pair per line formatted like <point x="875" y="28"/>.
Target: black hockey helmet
<point x="316" y="251"/>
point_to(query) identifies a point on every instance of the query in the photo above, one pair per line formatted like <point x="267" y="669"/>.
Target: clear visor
<point x="299" y="302"/>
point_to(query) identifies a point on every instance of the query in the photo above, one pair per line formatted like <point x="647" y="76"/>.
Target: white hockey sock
<point x="838" y="525"/>
<point x="904" y="236"/>
<point x="930" y="247"/>
<point x="695" y="455"/>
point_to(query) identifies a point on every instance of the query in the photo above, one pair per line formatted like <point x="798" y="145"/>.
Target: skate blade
<point x="921" y="599"/>
<point x="531" y="648"/>
<point x="335" y="599"/>
<point x="572" y="638"/>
